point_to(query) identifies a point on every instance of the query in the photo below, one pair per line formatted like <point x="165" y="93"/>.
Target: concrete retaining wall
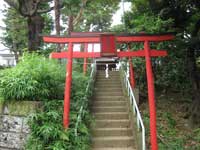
<point x="13" y="123"/>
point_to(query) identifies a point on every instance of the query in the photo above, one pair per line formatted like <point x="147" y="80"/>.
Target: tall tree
<point x="32" y="10"/>
<point x="73" y="12"/>
<point x="15" y="32"/>
<point x="186" y="15"/>
<point x="89" y="15"/>
<point x="57" y="20"/>
<point x="186" y="22"/>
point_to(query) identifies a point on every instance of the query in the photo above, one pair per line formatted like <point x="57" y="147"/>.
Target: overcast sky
<point x="116" y="19"/>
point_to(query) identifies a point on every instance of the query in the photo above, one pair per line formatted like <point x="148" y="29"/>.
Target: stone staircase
<point x="112" y="128"/>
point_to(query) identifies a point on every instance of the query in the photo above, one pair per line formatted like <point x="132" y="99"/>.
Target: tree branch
<point x="12" y="3"/>
<point x="28" y="8"/>
<point x="196" y="28"/>
<point x="79" y="15"/>
<point x="45" y="10"/>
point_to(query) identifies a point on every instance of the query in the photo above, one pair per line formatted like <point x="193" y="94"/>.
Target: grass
<point x="174" y="132"/>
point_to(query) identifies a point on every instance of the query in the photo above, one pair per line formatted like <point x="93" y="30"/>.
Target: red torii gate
<point x="108" y="49"/>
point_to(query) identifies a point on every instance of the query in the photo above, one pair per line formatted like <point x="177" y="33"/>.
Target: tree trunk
<point x="70" y="25"/>
<point x="57" y="20"/>
<point x="15" y="51"/>
<point x="195" y="80"/>
<point x="195" y="107"/>
<point x="35" y="27"/>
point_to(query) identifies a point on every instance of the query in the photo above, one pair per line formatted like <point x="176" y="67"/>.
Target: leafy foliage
<point x="34" y="78"/>
<point x="141" y="19"/>
<point x="98" y="15"/>
<point x="15" y="37"/>
<point x="147" y="22"/>
<point x="46" y="127"/>
<point x="172" y="132"/>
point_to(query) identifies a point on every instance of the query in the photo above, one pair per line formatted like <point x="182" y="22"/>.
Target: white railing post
<point x="80" y="113"/>
<point x="136" y="112"/>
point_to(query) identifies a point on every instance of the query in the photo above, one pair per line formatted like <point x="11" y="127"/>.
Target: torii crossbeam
<point x="108" y="43"/>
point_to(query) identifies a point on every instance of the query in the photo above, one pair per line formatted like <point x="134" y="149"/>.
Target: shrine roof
<point x="97" y="34"/>
<point x="96" y="37"/>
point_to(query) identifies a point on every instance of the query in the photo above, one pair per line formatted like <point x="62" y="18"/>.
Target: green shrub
<point x="47" y="132"/>
<point x="34" y="78"/>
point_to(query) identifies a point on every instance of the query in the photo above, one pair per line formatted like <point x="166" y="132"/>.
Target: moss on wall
<point x="1" y="106"/>
<point x="19" y="108"/>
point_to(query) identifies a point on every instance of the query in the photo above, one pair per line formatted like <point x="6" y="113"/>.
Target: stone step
<point x="105" y="87"/>
<point x="112" y="142"/>
<point x="111" y="77"/>
<point x="111" y="116"/>
<point x="108" y="103"/>
<point x="118" y="84"/>
<point x="109" y="109"/>
<point x="108" y="94"/>
<point x="112" y="132"/>
<point x="103" y="79"/>
<point x="108" y="98"/>
<point x="107" y="90"/>
<point x="108" y="83"/>
<point x="112" y="123"/>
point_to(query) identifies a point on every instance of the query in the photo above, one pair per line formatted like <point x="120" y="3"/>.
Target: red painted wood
<point x="85" y="59"/>
<point x="68" y="87"/>
<point x="59" y="55"/>
<point x="96" y="39"/>
<point x="53" y="39"/>
<point x="141" y="53"/>
<point x="86" y="54"/>
<point x="76" y="55"/>
<point x="132" y="77"/>
<point x="108" y="45"/>
<point x="140" y="38"/>
<point x="151" y="97"/>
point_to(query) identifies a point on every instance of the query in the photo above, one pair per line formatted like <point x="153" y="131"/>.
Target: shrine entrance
<point x="108" y="49"/>
<point x="101" y="63"/>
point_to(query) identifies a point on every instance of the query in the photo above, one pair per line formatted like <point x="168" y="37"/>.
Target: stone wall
<point x="13" y="123"/>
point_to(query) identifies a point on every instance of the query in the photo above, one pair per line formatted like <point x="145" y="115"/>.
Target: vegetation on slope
<point x="38" y="78"/>
<point x="174" y="131"/>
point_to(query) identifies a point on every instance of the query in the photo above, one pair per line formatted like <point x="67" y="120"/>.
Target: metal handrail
<point x="90" y="82"/>
<point x="135" y="108"/>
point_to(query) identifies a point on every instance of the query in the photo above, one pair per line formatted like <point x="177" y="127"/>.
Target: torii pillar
<point x="131" y="73"/>
<point x="85" y="59"/>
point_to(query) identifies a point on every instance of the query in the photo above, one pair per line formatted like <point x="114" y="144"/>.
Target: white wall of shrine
<point x="77" y="47"/>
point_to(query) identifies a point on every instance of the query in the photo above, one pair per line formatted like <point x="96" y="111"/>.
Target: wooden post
<point x="85" y="59"/>
<point x="132" y="77"/>
<point x="151" y="97"/>
<point x="68" y="87"/>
